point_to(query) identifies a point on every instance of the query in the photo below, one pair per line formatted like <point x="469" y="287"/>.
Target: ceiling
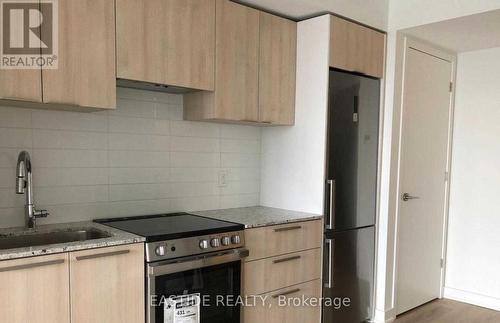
<point x="370" y="12"/>
<point x="464" y="34"/>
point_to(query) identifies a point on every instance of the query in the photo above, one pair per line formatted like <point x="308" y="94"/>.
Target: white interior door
<point x="423" y="164"/>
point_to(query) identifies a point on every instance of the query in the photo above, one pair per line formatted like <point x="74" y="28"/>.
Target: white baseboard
<point x="472" y="298"/>
<point x="384" y="316"/>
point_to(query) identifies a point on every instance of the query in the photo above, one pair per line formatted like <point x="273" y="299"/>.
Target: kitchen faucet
<point x="24" y="185"/>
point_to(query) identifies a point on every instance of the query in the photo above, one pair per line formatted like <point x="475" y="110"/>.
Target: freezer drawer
<point x="348" y="275"/>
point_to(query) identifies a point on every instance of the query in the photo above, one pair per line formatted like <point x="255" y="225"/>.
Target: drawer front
<point x="269" y="274"/>
<point x="285" y="305"/>
<point x="281" y="239"/>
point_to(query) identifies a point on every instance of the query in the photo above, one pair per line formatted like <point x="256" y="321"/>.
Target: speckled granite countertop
<point x="117" y="237"/>
<point x="259" y="216"/>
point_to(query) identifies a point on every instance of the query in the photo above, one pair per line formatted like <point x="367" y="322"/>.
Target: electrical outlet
<point x="222" y="178"/>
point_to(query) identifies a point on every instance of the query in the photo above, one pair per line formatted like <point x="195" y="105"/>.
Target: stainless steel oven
<point x="216" y="277"/>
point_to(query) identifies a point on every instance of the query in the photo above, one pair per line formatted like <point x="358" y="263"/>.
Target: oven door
<point x="215" y="277"/>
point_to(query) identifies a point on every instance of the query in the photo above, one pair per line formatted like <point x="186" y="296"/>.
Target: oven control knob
<point x="160" y="251"/>
<point x="226" y="241"/>
<point x="236" y="239"/>
<point x="203" y="244"/>
<point x="215" y="243"/>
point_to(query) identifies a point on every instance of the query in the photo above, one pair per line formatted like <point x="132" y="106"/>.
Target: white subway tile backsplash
<point x="69" y="158"/>
<point x="182" y="174"/>
<point x="15" y="118"/>
<point x="15" y="138"/>
<point x="141" y="158"/>
<point x="240" y="200"/>
<point x="194" y="144"/>
<point x="8" y="177"/>
<point x="190" y="159"/>
<point x="63" y="120"/>
<point x="124" y="141"/>
<point x="126" y="158"/>
<point x="130" y="192"/>
<point x="134" y="108"/>
<point x="138" y="125"/>
<point x="57" y="139"/>
<point x="138" y="175"/>
<point x="194" y="129"/>
<point x="52" y="177"/>
<point x="71" y="194"/>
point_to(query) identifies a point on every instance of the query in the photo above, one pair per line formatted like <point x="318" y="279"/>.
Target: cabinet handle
<point x="277" y="261"/>
<point x="104" y="254"/>
<point x="288" y="228"/>
<point x="37" y="264"/>
<point x="293" y="291"/>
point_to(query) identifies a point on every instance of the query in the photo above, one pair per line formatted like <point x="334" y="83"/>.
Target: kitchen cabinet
<point x="255" y="67"/>
<point x="107" y="285"/>
<point x="166" y="42"/>
<point x="277" y="69"/>
<point x="236" y="64"/>
<point x="35" y="290"/>
<point x="21" y="85"/>
<point x="284" y="305"/>
<point x="86" y="74"/>
<point x="356" y="48"/>
<point x="284" y="262"/>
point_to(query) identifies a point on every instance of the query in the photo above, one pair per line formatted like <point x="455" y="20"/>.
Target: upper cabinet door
<point x="21" y="85"/>
<point x="237" y="62"/>
<point x="356" y="48"/>
<point x="277" y="66"/>
<point x="86" y="73"/>
<point x="166" y="42"/>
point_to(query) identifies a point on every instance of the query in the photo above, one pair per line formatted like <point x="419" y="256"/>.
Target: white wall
<point x="473" y="261"/>
<point x="141" y="158"/>
<point x="404" y="14"/>
<point x="410" y="13"/>
<point x="293" y="158"/>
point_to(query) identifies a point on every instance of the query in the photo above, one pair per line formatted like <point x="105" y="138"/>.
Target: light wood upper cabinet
<point x="86" y="72"/>
<point x="166" y="42"/>
<point x="277" y="69"/>
<point x="21" y="85"/>
<point x="35" y="290"/>
<point x="237" y="68"/>
<point x="107" y="285"/>
<point x="255" y="68"/>
<point x="356" y="48"/>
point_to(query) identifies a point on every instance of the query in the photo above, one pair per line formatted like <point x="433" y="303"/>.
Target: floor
<point x="447" y="311"/>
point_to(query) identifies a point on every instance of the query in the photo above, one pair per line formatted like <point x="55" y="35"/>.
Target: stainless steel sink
<point x="47" y="238"/>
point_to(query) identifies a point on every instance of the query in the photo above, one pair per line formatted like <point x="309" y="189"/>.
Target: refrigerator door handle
<point x="329" y="271"/>
<point x="331" y="206"/>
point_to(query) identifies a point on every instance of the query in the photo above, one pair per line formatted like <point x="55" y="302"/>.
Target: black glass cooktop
<point x="170" y="226"/>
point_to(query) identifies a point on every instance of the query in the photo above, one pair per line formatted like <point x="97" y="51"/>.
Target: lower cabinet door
<point x="35" y="290"/>
<point x="107" y="285"/>
<point x="295" y="304"/>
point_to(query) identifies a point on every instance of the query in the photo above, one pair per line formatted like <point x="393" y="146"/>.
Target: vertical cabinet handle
<point x="331" y="206"/>
<point x="329" y="271"/>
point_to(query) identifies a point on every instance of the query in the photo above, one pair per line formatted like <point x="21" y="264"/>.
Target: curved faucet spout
<point x="24" y="185"/>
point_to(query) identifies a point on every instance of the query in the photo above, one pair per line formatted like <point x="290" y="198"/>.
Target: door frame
<point x="406" y="43"/>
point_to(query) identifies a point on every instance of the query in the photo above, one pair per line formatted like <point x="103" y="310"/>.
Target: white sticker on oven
<point x="182" y="309"/>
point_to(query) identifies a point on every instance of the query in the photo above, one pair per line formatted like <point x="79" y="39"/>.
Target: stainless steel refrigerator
<point x="350" y="197"/>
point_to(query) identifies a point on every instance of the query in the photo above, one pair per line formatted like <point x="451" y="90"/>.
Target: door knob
<point x="406" y="197"/>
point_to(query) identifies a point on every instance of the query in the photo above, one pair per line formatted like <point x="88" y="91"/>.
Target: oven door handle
<point x="207" y="260"/>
